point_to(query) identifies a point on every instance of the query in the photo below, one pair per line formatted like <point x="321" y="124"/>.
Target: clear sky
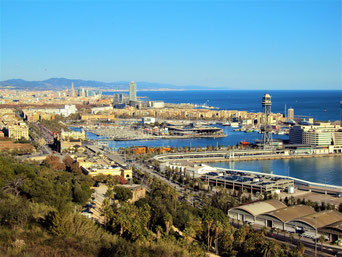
<point x="234" y="44"/>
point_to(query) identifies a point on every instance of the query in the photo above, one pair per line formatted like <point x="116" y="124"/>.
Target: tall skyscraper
<point x="132" y="91"/>
<point x="290" y="114"/>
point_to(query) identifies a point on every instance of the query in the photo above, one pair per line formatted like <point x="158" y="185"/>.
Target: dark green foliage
<point x="340" y="207"/>
<point x="13" y="211"/>
<point x="223" y="200"/>
<point x="80" y="194"/>
<point x="42" y="184"/>
<point x="122" y="193"/>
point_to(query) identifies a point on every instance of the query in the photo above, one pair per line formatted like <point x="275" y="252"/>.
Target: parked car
<point x="339" y="195"/>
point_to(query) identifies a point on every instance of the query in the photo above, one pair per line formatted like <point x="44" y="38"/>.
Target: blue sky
<point x="232" y="44"/>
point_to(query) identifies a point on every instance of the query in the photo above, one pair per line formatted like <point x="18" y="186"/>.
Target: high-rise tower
<point x="132" y="91"/>
<point x="266" y="129"/>
<point x="73" y="92"/>
<point x="290" y="114"/>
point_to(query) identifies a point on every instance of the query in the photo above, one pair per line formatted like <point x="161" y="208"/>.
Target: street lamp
<point x="315" y="236"/>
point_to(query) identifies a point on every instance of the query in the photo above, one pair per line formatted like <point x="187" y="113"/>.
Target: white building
<point x="199" y="170"/>
<point x="18" y="131"/>
<point x="156" y="104"/>
<point x="148" y="120"/>
<point x="188" y="168"/>
<point x="322" y="134"/>
<point x="316" y="137"/>
<point x="66" y="111"/>
<point x="96" y="110"/>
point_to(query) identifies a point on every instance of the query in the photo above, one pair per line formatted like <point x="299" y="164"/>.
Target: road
<point x="45" y="134"/>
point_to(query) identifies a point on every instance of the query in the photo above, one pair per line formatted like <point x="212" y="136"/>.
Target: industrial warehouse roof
<point x="260" y="207"/>
<point x="292" y="212"/>
<point x="322" y="218"/>
<point x="336" y="227"/>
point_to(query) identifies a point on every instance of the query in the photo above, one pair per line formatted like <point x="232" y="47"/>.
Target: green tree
<point x="131" y="221"/>
<point x="122" y="193"/>
<point x="80" y="193"/>
<point x="270" y="249"/>
<point x="168" y="222"/>
<point x="14" y="211"/>
<point x="214" y="221"/>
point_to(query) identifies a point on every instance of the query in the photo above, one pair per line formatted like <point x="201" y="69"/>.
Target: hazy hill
<point x="63" y="83"/>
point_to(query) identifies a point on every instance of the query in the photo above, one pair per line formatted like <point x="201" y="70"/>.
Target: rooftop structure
<point x="333" y="231"/>
<point x="195" y="130"/>
<point x="249" y="212"/>
<point x="250" y="182"/>
<point x="291" y="212"/>
<point x="320" y="219"/>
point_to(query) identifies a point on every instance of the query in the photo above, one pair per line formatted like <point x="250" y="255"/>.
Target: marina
<point x="233" y="138"/>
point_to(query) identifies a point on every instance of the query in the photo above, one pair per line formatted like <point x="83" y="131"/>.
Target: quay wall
<point x="259" y="158"/>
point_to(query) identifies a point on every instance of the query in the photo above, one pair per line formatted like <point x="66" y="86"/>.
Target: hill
<point x="64" y="83"/>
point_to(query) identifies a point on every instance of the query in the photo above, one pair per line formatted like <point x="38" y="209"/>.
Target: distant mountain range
<point x="63" y="83"/>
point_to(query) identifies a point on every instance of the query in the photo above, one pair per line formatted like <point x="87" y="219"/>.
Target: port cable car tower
<point x="266" y="128"/>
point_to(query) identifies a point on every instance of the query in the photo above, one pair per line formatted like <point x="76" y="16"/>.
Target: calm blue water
<point x="321" y="105"/>
<point x="325" y="170"/>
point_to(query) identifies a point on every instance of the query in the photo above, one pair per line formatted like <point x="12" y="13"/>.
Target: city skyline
<point x="234" y="45"/>
<point x="149" y="128"/>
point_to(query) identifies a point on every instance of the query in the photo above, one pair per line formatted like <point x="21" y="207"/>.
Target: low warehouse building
<point x="332" y="231"/>
<point x="249" y="212"/>
<point x="279" y="218"/>
<point x="311" y="223"/>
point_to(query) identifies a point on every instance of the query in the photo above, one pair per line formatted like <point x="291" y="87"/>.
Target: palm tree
<point x="291" y="237"/>
<point x="270" y="249"/>
<point x="300" y="249"/>
<point x="321" y="240"/>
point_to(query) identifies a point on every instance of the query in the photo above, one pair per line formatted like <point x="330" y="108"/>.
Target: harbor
<point x="124" y="133"/>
